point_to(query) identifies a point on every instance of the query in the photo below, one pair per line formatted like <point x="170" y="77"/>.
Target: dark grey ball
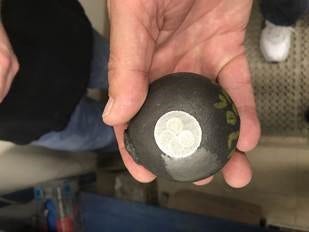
<point x="186" y="130"/>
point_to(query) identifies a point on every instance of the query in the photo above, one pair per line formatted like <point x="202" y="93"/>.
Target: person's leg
<point x="98" y="75"/>
<point x="280" y="16"/>
<point x="84" y="132"/>
<point x="283" y="12"/>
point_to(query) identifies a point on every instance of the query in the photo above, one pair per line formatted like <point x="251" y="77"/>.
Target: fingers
<point x="137" y="171"/>
<point x="237" y="172"/>
<point x="11" y="74"/>
<point x="8" y="69"/>
<point x="131" y="51"/>
<point x="235" y="79"/>
<point x="204" y="182"/>
<point x="5" y="65"/>
<point x="8" y="64"/>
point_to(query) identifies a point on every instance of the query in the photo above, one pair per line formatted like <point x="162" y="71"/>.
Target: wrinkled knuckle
<point x="5" y="61"/>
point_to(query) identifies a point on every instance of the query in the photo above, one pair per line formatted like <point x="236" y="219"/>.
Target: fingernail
<point x="108" y="107"/>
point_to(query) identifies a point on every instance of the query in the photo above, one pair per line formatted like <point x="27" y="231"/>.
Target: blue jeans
<point x="85" y="130"/>
<point x="284" y="12"/>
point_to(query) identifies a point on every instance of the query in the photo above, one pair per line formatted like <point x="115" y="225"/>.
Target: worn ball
<point x="186" y="130"/>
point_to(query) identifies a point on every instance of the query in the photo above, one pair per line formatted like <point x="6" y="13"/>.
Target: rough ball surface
<point x="186" y="130"/>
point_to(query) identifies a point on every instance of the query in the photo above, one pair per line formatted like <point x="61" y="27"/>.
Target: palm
<point x="196" y="40"/>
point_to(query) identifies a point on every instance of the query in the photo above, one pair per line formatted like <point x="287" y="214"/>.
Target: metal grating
<point x="282" y="90"/>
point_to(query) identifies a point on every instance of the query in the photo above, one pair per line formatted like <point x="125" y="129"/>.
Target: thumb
<point x="127" y="93"/>
<point x="131" y="51"/>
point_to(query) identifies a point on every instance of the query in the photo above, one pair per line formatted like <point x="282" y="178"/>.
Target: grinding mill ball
<point x="186" y="130"/>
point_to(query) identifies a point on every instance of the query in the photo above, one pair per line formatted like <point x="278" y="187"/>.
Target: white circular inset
<point x="175" y="125"/>
<point x="178" y="134"/>
<point x="186" y="138"/>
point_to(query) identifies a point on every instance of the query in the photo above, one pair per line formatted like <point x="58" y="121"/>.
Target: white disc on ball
<point x="178" y="134"/>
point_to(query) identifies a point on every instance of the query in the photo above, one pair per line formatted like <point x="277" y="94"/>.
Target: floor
<point x="279" y="186"/>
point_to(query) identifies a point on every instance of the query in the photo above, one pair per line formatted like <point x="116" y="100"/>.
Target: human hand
<point x="8" y="64"/>
<point x="152" y="38"/>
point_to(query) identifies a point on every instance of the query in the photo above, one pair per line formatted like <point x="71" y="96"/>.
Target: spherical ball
<point x="186" y="130"/>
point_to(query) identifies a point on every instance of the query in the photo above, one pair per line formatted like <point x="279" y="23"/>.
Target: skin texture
<point x="8" y="64"/>
<point x="152" y="38"/>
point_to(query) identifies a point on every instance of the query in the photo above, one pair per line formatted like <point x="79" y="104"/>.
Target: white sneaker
<point x="275" y="42"/>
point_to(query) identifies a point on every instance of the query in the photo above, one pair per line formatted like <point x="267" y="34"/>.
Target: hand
<point x="152" y="38"/>
<point x="8" y="64"/>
